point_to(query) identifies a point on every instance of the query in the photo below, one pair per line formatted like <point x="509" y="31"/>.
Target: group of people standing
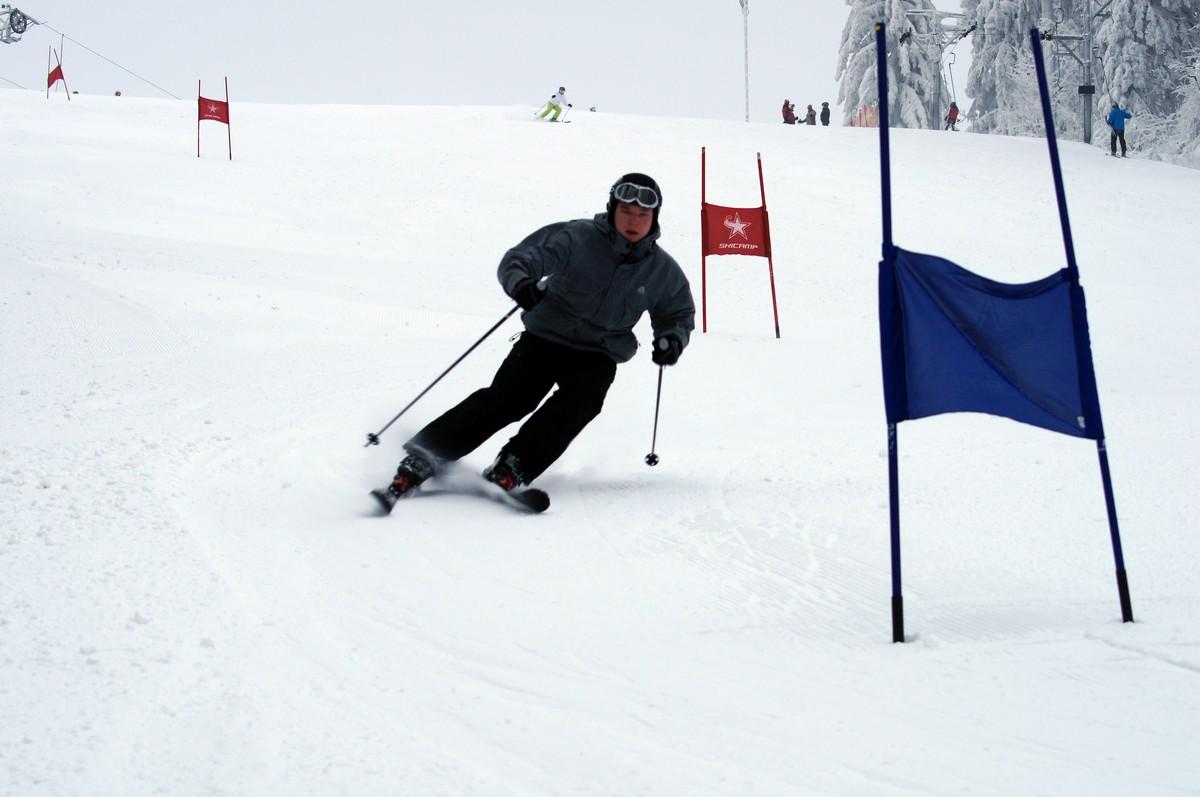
<point x="810" y="115"/>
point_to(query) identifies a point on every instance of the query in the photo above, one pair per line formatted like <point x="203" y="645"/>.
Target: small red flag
<point x="55" y="75"/>
<point x="735" y="231"/>
<point x="217" y="110"/>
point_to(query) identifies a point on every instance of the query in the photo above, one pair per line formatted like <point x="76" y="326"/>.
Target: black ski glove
<point x="667" y="350"/>
<point x="527" y="294"/>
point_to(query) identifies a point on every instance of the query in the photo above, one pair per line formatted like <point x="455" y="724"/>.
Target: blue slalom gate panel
<point x="953" y="341"/>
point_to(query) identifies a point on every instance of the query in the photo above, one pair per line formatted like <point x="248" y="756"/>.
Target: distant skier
<point x="1116" y="122"/>
<point x="810" y="116"/>
<point x="583" y="285"/>
<point x="789" y="112"/>
<point x="555" y="105"/>
<point x="825" y="114"/>
<point x="952" y="117"/>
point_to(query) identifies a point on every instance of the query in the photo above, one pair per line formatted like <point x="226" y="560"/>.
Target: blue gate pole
<point x="885" y="190"/>
<point x="1085" y="365"/>
<point x="885" y="156"/>
<point x="1110" y="505"/>
<point x="894" y="517"/>
<point x="1055" y="165"/>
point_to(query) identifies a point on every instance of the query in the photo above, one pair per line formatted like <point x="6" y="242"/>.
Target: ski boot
<point x="413" y="470"/>
<point x="505" y="472"/>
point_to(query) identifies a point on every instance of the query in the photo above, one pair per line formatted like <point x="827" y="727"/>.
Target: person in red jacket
<point x="789" y="113"/>
<point x="952" y="117"/>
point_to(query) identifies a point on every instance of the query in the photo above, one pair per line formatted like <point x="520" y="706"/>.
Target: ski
<point x="385" y="501"/>
<point x="523" y="499"/>
<point x="526" y="499"/>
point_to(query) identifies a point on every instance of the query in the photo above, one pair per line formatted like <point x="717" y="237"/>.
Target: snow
<point x="195" y="601"/>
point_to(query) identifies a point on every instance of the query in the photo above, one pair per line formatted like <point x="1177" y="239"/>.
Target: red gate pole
<point x="767" y="236"/>
<point x="199" y="94"/>
<point x="48" y="49"/>
<point x="229" y="123"/>
<point x="58" y="55"/>
<point x="703" y="249"/>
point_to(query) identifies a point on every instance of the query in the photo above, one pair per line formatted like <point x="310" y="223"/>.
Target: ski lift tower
<point x="1080" y="48"/>
<point x="945" y="29"/>
<point x="745" y="4"/>
<point x="13" y="24"/>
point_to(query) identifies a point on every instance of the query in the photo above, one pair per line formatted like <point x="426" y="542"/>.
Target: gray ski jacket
<point x="599" y="285"/>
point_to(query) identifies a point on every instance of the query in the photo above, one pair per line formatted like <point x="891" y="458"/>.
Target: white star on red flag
<point x="737" y="227"/>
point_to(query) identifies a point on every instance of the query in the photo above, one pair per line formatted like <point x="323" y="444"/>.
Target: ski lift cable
<point x="106" y="58"/>
<point x="6" y="80"/>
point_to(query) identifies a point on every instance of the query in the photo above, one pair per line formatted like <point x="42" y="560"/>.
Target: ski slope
<point x="194" y="600"/>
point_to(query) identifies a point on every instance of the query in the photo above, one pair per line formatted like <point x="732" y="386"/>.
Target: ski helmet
<point x="638" y="179"/>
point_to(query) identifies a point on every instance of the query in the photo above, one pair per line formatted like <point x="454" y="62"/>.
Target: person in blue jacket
<point x="1116" y="121"/>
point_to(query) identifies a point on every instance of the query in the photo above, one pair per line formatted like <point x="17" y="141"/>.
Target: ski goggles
<point x="630" y="193"/>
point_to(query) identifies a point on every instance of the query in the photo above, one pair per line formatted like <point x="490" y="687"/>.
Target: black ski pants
<point x="531" y="369"/>
<point x="1112" y="140"/>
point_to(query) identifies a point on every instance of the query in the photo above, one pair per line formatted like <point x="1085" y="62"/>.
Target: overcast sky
<point x="670" y="57"/>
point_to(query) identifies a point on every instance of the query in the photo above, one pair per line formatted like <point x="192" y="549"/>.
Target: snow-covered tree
<point x="1142" y="45"/>
<point x="1001" y="83"/>
<point x="1184" y="144"/>
<point x="914" y="61"/>
<point x="855" y="71"/>
<point x="915" y="65"/>
<point x="1174" y="137"/>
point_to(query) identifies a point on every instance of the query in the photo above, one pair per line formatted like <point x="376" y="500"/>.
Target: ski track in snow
<point x="194" y="599"/>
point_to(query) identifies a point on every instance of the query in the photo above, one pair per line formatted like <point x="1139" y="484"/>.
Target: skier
<point x="825" y="114"/>
<point x="810" y="116"/>
<point x="952" y="117"/>
<point x="555" y="104"/>
<point x="789" y="112"/>
<point x="583" y="285"/>
<point x="1116" y="122"/>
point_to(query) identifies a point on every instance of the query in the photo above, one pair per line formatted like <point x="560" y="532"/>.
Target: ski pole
<point x="373" y="437"/>
<point x="652" y="458"/>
